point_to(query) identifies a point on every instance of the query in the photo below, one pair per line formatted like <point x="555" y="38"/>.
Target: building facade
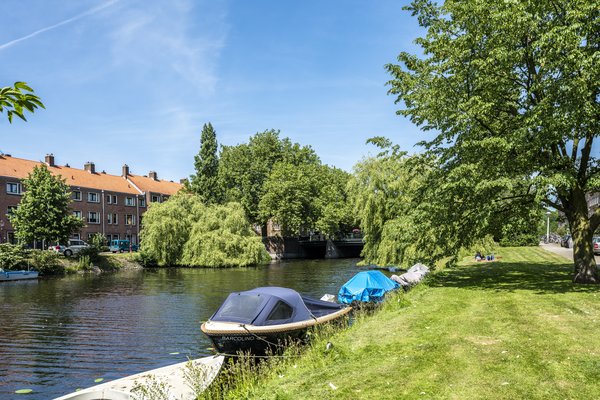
<point x="108" y="204"/>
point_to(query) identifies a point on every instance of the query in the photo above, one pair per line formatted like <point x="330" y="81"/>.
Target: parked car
<point x="74" y="246"/>
<point x="567" y="241"/>
<point x="596" y="242"/>
<point x="122" y="245"/>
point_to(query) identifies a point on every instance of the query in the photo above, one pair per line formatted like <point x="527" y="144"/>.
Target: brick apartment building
<point x="109" y="204"/>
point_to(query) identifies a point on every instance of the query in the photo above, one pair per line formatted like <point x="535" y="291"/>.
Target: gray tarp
<point x="414" y="275"/>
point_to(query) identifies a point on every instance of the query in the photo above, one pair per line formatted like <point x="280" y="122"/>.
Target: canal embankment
<point x="512" y="328"/>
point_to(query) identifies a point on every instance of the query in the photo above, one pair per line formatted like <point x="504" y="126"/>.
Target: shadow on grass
<point x="507" y="276"/>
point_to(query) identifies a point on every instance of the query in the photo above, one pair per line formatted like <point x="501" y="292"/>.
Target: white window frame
<point x="132" y="219"/>
<point x="97" y="214"/>
<point x="18" y="186"/>
<point x="130" y="201"/>
<point x="111" y="199"/>
<point x="97" y="197"/>
<point x="76" y="236"/>
<point x="77" y="213"/>
<point x="11" y="207"/>
<point x="152" y="197"/>
<point x="74" y="197"/>
<point x="142" y="202"/>
<point x="112" y="218"/>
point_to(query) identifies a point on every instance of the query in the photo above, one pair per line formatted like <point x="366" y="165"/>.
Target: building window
<point x="110" y="238"/>
<point x="111" y="199"/>
<point x="112" y="218"/>
<point x="93" y="197"/>
<point x="90" y="235"/>
<point x="76" y="195"/>
<point x="76" y="236"/>
<point x="129" y="219"/>
<point x="93" y="217"/>
<point x="142" y="202"/>
<point x="155" y="199"/>
<point x="13" y="188"/>
<point x="12" y="239"/>
<point x="11" y="210"/>
<point x="129" y="201"/>
<point x="77" y="214"/>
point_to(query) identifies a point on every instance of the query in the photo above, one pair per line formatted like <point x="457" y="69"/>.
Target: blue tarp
<point x="366" y="286"/>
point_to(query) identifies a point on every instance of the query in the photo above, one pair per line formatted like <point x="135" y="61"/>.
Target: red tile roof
<point x="146" y="184"/>
<point x="19" y="168"/>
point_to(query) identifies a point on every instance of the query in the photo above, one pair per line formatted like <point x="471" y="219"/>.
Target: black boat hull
<point x="256" y="344"/>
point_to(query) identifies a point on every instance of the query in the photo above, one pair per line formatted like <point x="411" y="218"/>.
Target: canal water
<point x="60" y="334"/>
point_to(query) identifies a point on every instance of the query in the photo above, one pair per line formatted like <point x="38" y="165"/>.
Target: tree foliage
<point x="244" y="169"/>
<point x="306" y="197"/>
<point x="17" y="99"/>
<point x="205" y="181"/>
<point x="222" y="237"/>
<point x="512" y="91"/>
<point x="44" y="213"/>
<point x="185" y="231"/>
<point x="386" y="198"/>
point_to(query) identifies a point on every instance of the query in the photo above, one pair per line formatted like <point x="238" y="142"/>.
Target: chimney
<point x="89" y="167"/>
<point x="49" y="160"/>
<point x="125" y="170"/>
<point x="153" y="175"/>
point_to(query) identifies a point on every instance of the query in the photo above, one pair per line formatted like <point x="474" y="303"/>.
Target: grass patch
<point x="514" y="328"/>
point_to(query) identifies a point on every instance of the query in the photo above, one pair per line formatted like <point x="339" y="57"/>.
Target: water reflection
<point x="60" y="334"/>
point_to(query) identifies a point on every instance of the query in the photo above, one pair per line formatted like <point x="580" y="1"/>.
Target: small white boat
<point x="181" y="381"/>
<point x="17" y="275"/>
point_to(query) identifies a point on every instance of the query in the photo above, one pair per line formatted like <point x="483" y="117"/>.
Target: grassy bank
<point x="515" y="328"/>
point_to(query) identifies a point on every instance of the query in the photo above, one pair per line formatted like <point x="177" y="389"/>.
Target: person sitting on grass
<point x="478" y="256"/>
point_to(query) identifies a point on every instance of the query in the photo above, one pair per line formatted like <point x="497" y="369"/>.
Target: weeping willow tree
<point x="222" y="237"/>
<point x="166" y="227"/>
<point x="387" y="199"/>
<point x="184" y="231"/>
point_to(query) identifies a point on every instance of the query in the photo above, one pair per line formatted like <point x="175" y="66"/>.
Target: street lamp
<point x="548" y="226"/>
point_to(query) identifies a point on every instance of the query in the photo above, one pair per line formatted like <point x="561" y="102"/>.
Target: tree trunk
<point x="583" y="248"/>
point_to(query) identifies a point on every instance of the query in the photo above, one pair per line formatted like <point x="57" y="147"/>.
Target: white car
<point x="74" y="246"/>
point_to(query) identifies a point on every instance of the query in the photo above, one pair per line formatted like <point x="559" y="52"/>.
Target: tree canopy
<point x="205" y="181"/>
<point x="44" y="212"/>
<point x="17" y="99"/>
<point x="185" y="231"/>
<point x="512" y="91"/>
<point x="244" y="169"/>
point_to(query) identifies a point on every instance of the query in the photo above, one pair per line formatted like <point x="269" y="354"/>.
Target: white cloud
<point x="170" y="37"/>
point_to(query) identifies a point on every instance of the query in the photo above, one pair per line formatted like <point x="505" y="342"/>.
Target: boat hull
<point x="17" y="275"/>
<point x="231" y="338"/>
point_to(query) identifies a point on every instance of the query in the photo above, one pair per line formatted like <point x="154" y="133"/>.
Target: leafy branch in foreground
<point x="18" y="99"/>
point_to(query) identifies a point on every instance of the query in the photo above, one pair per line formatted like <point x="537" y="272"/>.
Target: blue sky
<point x="133" y="81"/>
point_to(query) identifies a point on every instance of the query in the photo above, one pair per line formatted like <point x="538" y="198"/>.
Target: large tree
<point x="205" y="181"/>
<point x="44" y="213"/>
<point x="17" y="99"/>
<point x="512" y="91"/>
<point x="244" y="169"/>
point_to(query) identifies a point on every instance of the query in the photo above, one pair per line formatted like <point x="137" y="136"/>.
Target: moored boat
<point x="17" y="275"/>
<point x="266" y="318"/>
<point x="174" y="381"/>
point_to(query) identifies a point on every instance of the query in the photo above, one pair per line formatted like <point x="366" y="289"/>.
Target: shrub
<point x="46" y="262"/>
<point x="92" y="253"/>
<point x="84" y="262"/>
<point x="98" y="241"/>
<point x="11" y="255"/>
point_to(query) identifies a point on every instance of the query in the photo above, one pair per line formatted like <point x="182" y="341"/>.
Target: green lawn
<point x="515" y="328"/>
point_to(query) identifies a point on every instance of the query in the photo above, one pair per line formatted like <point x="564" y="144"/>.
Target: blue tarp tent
<point x="366" y="286"/>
